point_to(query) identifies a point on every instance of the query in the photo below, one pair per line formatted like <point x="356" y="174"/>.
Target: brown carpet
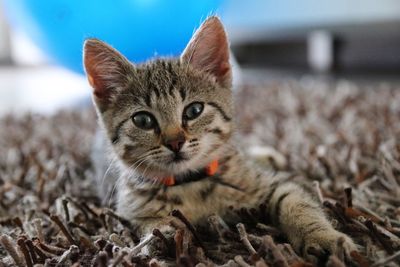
<point x="342" y="135"/>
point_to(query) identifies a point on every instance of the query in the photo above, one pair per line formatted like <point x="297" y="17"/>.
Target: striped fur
<point x="164" y="87"/>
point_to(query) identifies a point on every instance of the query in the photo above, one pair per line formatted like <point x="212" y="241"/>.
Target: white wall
<point x="289" y="13"/>
<point x="5" y="46"/>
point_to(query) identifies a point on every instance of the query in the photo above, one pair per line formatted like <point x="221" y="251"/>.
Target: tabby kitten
<point x="169" y="124"/>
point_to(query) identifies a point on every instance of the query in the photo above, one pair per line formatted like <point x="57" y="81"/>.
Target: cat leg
<point x="153" y="230"/>
<point x="304" y="223"/>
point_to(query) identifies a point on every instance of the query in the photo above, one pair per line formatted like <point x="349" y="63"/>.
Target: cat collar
<point x="193" y="176"/>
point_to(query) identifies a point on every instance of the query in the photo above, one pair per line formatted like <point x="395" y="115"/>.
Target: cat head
<point x="166" y="116"/>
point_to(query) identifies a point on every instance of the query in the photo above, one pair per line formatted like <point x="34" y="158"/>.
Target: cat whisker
<point x="139" y="161"/>
<point x="112" y="193"/>
<point x="107" y="170"/>
<point x="132" y="171"/>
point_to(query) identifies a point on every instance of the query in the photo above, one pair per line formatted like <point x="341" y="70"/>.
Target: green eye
<point x="193" y="111"/>
<point x="144" y="120"/>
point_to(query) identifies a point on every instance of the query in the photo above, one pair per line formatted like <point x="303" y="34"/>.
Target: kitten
<point x="169" y="123"/>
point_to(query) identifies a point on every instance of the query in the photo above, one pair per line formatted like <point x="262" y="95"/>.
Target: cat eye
<point x="144" y="120"/>
<point x="193" y="111"/>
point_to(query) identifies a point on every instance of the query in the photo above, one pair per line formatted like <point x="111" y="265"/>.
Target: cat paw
<point x="319" y="246"/>
<point x="155" y="248"/>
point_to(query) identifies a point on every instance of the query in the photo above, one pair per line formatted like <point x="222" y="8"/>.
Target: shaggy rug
<point x="344" y="137"/>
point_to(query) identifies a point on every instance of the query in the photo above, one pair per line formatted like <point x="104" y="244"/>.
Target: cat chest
<point x="200" y="200"/>
<point x="196" y="201"/>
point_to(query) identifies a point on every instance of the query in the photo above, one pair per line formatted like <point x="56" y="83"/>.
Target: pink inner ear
<point x="96" y="91"/>
<point x="99" y="89"/>
<point x="90" y="63"/>
<point x="102" y="64"/>
<point x="224" y="69"/>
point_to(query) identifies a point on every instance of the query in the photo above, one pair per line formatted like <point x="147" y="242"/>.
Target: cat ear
<point x="208" y="51"/>
<point x="106" y="69"/>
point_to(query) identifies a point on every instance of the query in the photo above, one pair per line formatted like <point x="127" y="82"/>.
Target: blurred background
<point x="40" y="41"/>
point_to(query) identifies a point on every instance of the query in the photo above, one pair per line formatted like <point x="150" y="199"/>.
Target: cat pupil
<point x="143" y="120"/>
<point x="193" y="111"/>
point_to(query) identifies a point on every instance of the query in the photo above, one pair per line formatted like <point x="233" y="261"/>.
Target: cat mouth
<point x="179" y="157"/>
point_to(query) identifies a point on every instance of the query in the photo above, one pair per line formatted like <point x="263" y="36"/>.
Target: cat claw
<point x="318" y="247"/>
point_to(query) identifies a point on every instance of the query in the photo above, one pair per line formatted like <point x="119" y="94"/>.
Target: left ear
<point x="106" y="69"/>
<point x="208" y="51"/>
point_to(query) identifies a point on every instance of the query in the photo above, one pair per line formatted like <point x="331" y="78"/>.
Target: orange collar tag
<point x="169" y="181"/>
<point x="210" y="170"/>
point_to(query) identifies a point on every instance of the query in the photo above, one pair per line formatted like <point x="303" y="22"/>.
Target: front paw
<point x="319" y="246"/>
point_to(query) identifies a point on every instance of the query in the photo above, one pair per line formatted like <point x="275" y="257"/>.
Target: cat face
<point x="166" y="116"/>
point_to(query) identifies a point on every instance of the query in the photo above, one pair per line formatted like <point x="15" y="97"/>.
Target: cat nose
<point x="176" y="143"/>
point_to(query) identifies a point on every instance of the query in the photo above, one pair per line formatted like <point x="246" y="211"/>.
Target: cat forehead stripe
<point x="220" y="110"/>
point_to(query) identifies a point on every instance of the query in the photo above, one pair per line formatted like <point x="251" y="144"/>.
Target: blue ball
<point x="140" y="29"/>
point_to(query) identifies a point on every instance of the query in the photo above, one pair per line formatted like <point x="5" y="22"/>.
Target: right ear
<point x="208" y="51"/>
<point x="106" y="70"/>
